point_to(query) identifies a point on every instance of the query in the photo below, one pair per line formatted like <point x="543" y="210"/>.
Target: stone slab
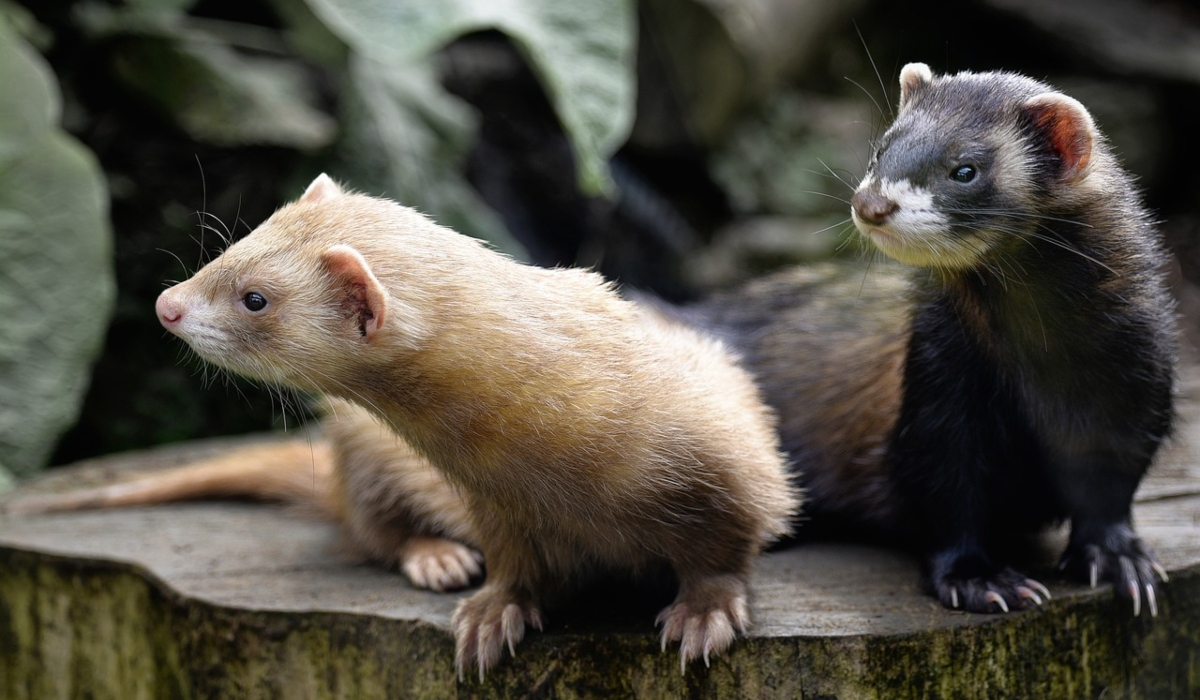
<point x="238" y="599"/>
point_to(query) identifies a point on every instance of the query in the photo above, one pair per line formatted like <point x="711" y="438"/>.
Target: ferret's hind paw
<point x="440" y="564"/>
<point x="1121" y="558"/>
<point x="703" y="626"/>
<point x="487" y="622"/>
<point x="973" y="584"/>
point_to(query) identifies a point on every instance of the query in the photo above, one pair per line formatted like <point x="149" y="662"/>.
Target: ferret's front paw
<point x="1116" y="554"/>
<point x="705" y="618"/>
<point x="971" y="582"/>
<point x="440" y="564"/>
<point x="485" y="622"/>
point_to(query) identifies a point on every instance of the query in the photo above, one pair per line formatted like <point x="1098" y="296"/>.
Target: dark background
<point x="715" y="184"/>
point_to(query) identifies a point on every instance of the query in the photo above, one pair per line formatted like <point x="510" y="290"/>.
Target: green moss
<point x="71" y="629"/>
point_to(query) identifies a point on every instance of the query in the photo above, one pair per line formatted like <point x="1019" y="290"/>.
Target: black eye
<point x="254" y="301"/>
<point x="963" y="173"/>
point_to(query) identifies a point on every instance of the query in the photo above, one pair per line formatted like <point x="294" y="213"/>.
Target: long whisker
<point x="223" y="232"/>
<point x="870" y="254"/>
<point x="867" y="50"/>
<point x="832" y="172"/>
<point x="843" y="222"/>
<point x="1050" y="239"/>
<point x="1017" y="214"/>
<point x="882" y="114"/>
<point x="177" y="259"/>
<point x="1070" y="248"/>
<point x="826" y="194"/>
<point x="203" y="207"/>
<point x="848" y="240"/>
<point x="1051" y="236"/>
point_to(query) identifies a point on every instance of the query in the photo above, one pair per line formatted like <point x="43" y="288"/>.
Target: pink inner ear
<point x="363" y="295"/>
<point x="322" y="189"/>
<point x="913" y="77"/>
<point x="1067" y="127"/>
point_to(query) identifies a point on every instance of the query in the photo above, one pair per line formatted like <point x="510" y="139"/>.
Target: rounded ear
<point x="913" y="78"/>
<point x="1067" y="127"/>
<point x="362" y="296"/>
<point x="320" y="190"/>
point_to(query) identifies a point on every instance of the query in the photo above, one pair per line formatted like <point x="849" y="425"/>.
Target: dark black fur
<point x="1037" y="383"/>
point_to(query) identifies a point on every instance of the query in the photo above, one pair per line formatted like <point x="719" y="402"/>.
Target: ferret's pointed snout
<point x="872" y="208"/>
<point x="169" y="310"/>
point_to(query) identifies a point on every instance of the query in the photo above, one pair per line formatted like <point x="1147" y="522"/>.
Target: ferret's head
<point x="296" y="302"/>
<point x="969" y="165"/>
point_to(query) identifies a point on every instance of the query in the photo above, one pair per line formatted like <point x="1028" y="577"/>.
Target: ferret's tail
<point x="296" y="472"/>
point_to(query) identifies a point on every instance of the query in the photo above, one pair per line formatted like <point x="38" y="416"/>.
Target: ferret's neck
<point x="1045" y="295"/>
<point x="452" y="401"/>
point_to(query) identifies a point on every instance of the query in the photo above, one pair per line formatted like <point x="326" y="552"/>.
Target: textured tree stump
<point x="226" y="599"/>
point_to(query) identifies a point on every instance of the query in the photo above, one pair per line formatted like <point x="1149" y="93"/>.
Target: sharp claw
<point x="954" y="598"/>
<point x="1137" y="598"/>
<point x="1158" y="569"/>
<point x="994" y="597"/>
<point x="1039" y="588"/>
<point x="1151" y="600"/>
<point x="1028" y="593"/>
<point x="1094" y="571"/>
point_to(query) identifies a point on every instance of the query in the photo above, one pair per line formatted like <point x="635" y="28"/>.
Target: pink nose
<point x="170" y="311"/>
<point x="872" y="207"/>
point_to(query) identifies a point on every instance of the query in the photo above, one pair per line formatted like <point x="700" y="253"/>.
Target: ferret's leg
<point x="397" y="509"/>
<point x="496" y="616"/>
<point x="951" y="499"/>
<point x="962" y="576"/>
<point x="706" y="616"/>
<point x="955" y="436"/>
<point x="428" y="561"/>
<point x="1103" y="544"/>
<point x="953" y="508"/>
<point x="393" y="523"/>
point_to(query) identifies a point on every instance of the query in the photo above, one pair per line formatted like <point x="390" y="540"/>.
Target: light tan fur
<point x="293" y="471"/>
<point x="827" y="343"/>
<point x="394" y="506"/>
<point x="579" y="431"/>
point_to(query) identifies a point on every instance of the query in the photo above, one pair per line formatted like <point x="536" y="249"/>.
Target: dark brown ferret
<point x="580" y="430"/>
<point x="1025" y="375"/>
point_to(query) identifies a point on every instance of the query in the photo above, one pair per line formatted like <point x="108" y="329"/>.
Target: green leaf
<point x="582" y="50"/>
<point x="222" y="97"/>
<point x="29" y="103"/>
<point x="405" y="138"/>
<point x="56" y="278"/>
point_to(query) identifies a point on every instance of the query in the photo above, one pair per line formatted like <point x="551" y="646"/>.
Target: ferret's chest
<point x="1065" y="376"/>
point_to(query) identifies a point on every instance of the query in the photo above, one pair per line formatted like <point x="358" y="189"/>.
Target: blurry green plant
<point x="229" y="84"/>
<point x="400" y="132"/>
<point x="261" y="95"/>
<point x="56" y="278"/>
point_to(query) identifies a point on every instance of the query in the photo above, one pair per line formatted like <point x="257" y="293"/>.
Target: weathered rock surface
<point x="223" y="599"/>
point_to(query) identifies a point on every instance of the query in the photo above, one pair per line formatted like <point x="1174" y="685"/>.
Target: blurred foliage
<point x="56" y="281"/>
<point x="675" y="145"/>
<point x="347" y="86"/>
<point x="580" y="49"/>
